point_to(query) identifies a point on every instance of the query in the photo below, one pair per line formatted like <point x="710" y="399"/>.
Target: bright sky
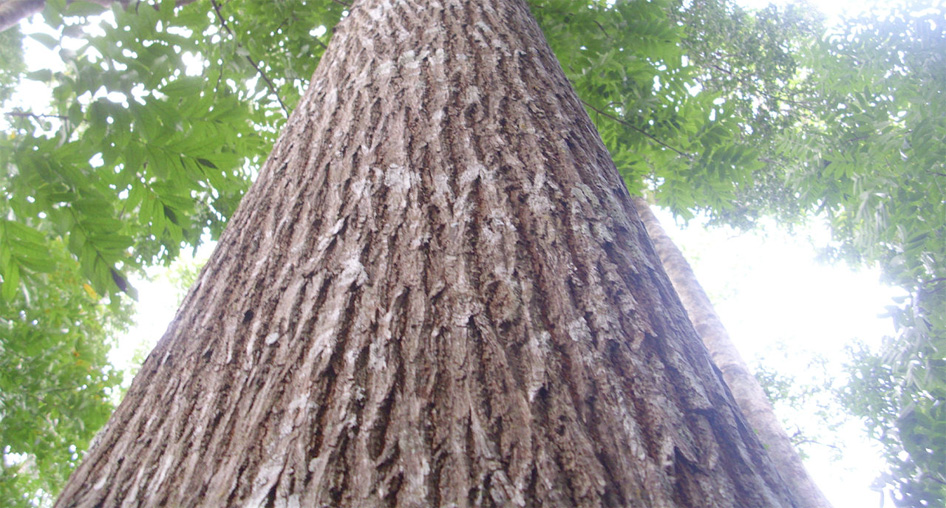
<point x="776" y="301"/>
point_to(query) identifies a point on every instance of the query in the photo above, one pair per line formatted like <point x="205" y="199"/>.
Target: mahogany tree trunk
<point x="437" y="293"/>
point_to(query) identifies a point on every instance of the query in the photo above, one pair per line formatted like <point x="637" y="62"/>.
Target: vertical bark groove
<point x="437" y="293"/>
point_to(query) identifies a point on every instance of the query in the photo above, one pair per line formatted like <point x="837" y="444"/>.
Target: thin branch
<point x="637" y="129"/>
<point x="857" y="138"/>
<point x="340" y="2"/>
<point x="800" y="439"/>
<point x="26" y="114"/>
<point x="720" y="69"/>
<point x="269" y="83"/>
<point x="605" y="32"/>
<point x="933" y="282"/>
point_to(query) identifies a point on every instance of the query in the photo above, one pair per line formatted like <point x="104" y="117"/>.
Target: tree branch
<point x="605" y="32"/>
<point x="27" y="114"/>
<point x="269" y="83"/>
<point x="933" y="282"/>
<point x="636" y="129"/>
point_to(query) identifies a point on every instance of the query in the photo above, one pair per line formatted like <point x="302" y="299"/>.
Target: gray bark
<point x="437" y="293"/>
<point x="14" y="11"/>
<point x="744" y="386"/>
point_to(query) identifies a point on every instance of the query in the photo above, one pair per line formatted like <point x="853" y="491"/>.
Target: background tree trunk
<point x="744" y="386"/>
<point x="14" y="11"/>
<point x="437" y="293"/>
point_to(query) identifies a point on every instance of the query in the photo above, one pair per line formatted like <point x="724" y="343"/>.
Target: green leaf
<point x="11" y="282"/>
<point x="50" y="42"/>
<point x="44" y="75"/>
<point x="81" y="8"/>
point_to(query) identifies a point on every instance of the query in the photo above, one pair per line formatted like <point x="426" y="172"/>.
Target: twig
<point x="720" y="69"/>
<point x="269" y="83"/>
<point x="933" y="282"/>
<point x="25" y="114"/>
<point x="857" y="138"/>
<point x="339" y="2"/>
<point x="637" y="129"/>
<point x="605" y="32"/>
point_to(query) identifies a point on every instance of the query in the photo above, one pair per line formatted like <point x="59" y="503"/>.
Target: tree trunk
<point x="14" y="11"/>
<point x="437" y="293"/>
<point x="745" y="388"/>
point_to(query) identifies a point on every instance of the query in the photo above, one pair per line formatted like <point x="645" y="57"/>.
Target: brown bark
<point x="745" y="388"/>
<point x="437" y="293"/>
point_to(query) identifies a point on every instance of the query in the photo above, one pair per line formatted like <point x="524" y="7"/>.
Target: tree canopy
<point x="161" y="113"/>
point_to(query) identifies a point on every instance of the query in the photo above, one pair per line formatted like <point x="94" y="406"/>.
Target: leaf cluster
<point x="869" y="148"/>
<point x="56" y="384"/>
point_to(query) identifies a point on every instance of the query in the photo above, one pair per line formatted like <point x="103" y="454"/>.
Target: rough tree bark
<point x="745" y="389"/>
<point x="437" y="293"/>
